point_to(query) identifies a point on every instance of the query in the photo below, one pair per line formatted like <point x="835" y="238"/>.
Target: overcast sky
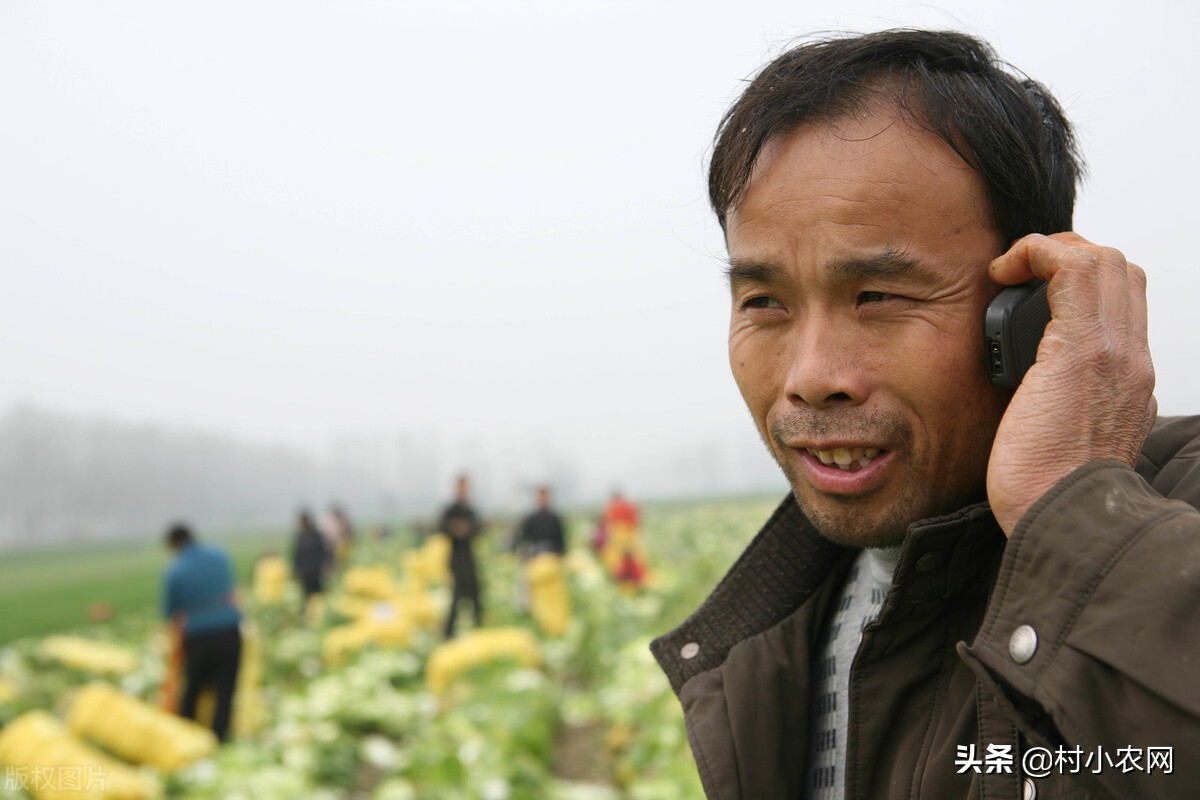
<point x="479" y="223"/>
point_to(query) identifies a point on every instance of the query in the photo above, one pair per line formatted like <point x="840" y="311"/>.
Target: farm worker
<point x="312" y="557"/>
<point x="621" y="511"/>
<point x="339" y="532"/>
<point x="461" y="523"/>
<point x="965" y="577"/>
<point x="622" y="551"/>
<point x="541" y="531"/>
<point x="197" y="599"/>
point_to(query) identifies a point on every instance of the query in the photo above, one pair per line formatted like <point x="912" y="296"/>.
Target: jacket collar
<point x="789" y="560"/>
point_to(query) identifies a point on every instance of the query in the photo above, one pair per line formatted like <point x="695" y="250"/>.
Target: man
<point x="339" y="532"/>
<point x="461" y="523"/>
<point x="197" y="599"/>
<point x="312" y="557"/>
<point x="541" y="531"/>
<point x="961" y="574"/>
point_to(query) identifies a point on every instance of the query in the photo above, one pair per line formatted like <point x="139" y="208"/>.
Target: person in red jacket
<point x="620" y="544"/>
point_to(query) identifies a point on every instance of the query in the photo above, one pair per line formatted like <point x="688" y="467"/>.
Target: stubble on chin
<point x="849" y="526"/>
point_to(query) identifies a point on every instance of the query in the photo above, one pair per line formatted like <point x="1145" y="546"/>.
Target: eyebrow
<point x="888" y="264"/>
<point x="738" y="270"/>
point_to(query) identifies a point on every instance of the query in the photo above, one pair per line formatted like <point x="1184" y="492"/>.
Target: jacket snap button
<point x="931" y="561"/>
<point x="1023" y="644"/>
<point x="1029" y="790"/>
<point x="690" y="650"/>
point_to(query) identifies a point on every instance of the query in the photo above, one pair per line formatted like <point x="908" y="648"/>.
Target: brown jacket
<point x="1105" y="569"/>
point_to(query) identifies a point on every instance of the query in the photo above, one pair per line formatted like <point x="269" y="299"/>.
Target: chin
<point x="849" y="526"/>
<point x="858" y="535"/>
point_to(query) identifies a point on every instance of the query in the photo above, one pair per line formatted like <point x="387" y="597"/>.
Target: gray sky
<point x="474" y="223"/>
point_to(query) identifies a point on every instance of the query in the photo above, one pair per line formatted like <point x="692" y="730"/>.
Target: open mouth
<point x="847" y="459"/>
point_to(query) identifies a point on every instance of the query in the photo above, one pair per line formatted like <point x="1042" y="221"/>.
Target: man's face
<point x="858" y="274"/>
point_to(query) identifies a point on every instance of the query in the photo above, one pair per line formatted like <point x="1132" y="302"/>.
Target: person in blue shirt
<point x="197" y="599"/>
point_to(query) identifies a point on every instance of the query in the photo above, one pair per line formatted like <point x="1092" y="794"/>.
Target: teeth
<point x="846" y="458"/>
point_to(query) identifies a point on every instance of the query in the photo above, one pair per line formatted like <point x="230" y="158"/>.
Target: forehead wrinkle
<point x="826" y="198"/>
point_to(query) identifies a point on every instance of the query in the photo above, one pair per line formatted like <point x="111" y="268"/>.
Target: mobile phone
<point x="1012" y="329"/>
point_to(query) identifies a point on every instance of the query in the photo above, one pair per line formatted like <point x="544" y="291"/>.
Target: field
<point x="593" y="719"/>
<point x="48" y="591"/>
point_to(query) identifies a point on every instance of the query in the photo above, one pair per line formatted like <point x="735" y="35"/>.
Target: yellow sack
<point x="88" y="655"/>
<point x="384" y="625"/>
<point x="137" y="731"/>
<point x="549" y="598"/>
<point x="371" y="582"/>
<point x="345" y="605"/>
<point x="450" y="659"/>
<point x="342" y="640"/>
<point x="271" y="577"/>
<point x="418" y="605"/>
<point x="430" y="563"/>
<point x="42" y="757"/>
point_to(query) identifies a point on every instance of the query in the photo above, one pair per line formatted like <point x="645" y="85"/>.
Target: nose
<point x="827" y="365"/>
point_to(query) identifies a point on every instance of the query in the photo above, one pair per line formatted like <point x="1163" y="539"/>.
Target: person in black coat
<point x="542" y="531"/>
<point x="461" y="523"/>
<point x="311" y="556"/>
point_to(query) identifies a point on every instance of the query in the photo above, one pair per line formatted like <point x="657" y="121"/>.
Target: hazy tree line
<point x="68" y="479"/>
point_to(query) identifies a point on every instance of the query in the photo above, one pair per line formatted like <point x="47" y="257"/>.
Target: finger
<point x="1039" y="256"/>
<point x="1115" y="289"/>
<point x="1012" y="267"/>
<point x="1123" y="307"/>
<point x="1090" y="284"/>
<point x="1138" y="303"/>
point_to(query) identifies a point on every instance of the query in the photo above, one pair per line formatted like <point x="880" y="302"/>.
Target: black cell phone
<point x="1012" y="329"/>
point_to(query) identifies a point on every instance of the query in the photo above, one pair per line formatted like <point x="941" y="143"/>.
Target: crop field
<point x="579" y="713"/>
<point x="47" y="591"/>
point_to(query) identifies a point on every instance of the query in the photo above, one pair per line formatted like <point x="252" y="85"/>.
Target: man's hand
<point x="1090" y="394"/>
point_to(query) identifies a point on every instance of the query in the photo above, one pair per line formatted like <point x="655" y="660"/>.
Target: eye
<point x="873" y="297"/>
<point x="761" y="301"/>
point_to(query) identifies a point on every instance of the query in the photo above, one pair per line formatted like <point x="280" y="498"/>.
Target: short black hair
<point x="178" y="535"/>
<point x="1006" y="126"/>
